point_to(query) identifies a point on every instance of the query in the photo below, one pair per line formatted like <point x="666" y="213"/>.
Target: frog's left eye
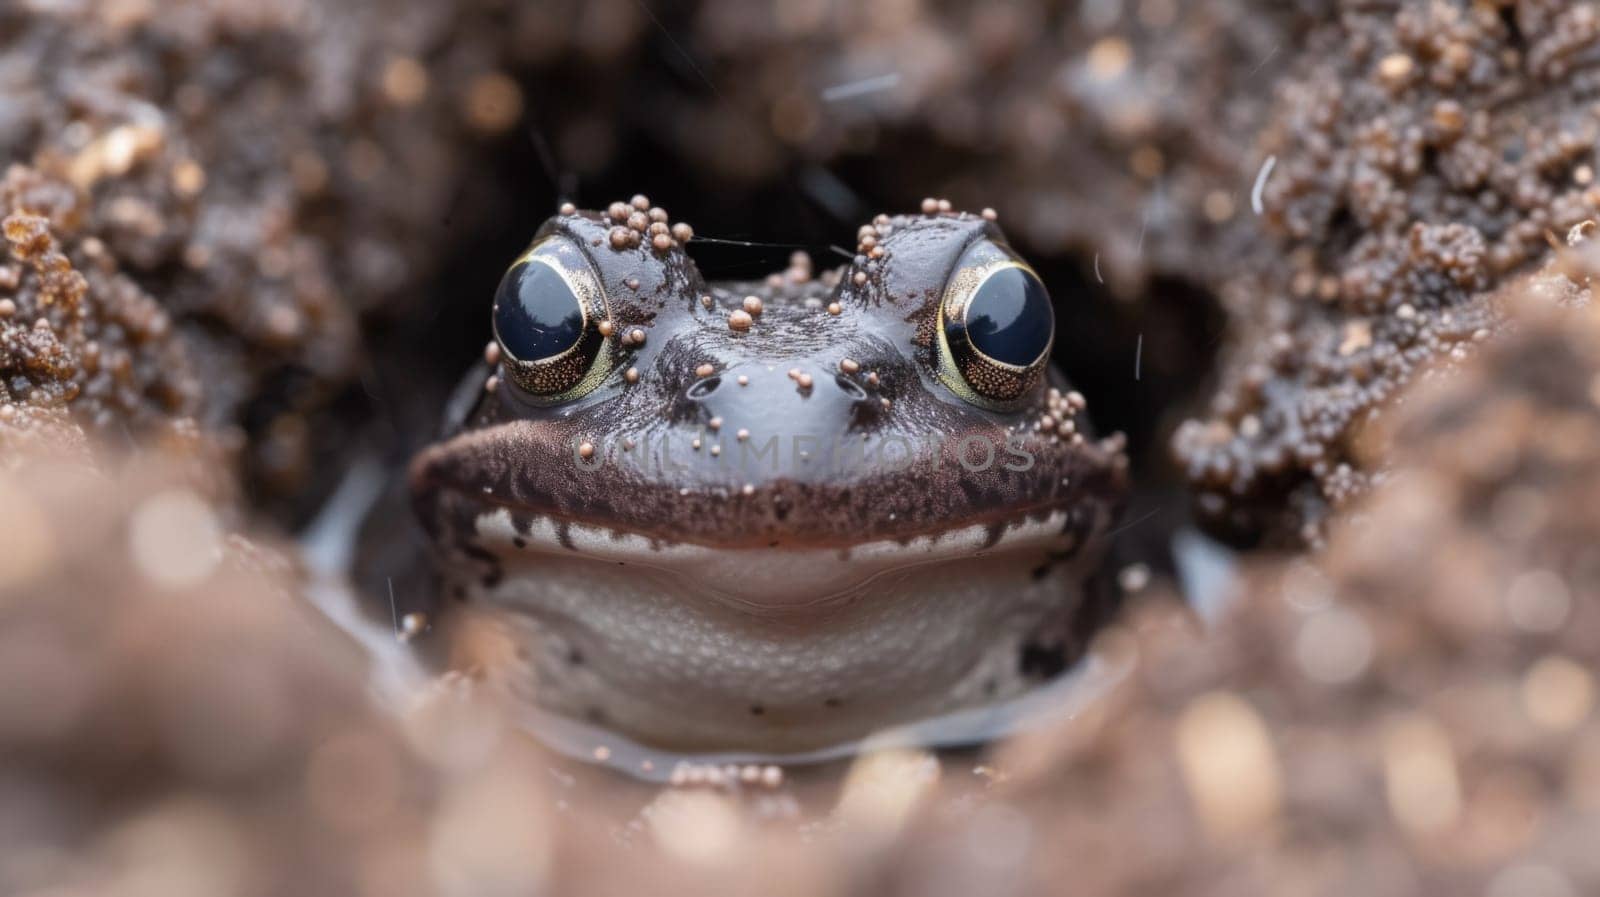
<point x="995" y="327"/>
<point x="547" y="314"/>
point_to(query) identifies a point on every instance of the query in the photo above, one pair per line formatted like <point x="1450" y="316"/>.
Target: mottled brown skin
<point x="512" y="453"/>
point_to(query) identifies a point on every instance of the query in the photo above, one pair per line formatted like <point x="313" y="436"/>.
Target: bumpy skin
<point x="864" y="338"/>
<point x="515" y="454"/>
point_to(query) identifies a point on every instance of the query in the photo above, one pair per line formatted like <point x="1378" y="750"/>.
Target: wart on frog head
<point x="697" y="585"/>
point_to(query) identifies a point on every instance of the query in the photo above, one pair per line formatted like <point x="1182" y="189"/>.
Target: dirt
<point x="1411" y="711"/>
<point x="242" y="242"/>
<point x="1416" y="158"/>
<point x="231" y="169"/>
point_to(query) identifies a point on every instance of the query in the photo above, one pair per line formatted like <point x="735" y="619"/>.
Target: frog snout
<point x="766" y="401"/>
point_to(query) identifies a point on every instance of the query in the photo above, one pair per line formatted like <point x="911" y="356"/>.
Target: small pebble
<point x="1396" y="68"/>
<point x="1134" y="577"/>
<point x="494" y="103"/>
<point x="412" y="625"/>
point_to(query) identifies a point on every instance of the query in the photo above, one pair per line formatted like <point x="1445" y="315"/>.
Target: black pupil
<point x="1009" y="319"/>
<point x="536" y="315"/>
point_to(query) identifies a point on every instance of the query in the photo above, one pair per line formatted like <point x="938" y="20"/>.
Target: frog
<point x="770" y="515"/>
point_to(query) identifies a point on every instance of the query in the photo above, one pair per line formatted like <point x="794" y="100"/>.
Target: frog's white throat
<point x="768" y="648"/>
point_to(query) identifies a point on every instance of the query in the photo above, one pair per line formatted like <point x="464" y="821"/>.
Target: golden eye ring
<point x="996" y="327"/>
<point x="547" y="314"/>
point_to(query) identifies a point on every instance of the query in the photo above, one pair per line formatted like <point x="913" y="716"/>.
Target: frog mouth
<point x="457" y="485"/>
<point x="782" y="516"/>
<point x="781" y="575"/>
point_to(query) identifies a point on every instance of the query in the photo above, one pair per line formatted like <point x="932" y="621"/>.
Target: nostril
<point x="701" y="390"/>
<point x="850" y="388"/>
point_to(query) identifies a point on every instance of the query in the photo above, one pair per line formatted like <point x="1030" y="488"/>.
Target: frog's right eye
<point x="547" y="314"/>
<point x="996" y="327"/>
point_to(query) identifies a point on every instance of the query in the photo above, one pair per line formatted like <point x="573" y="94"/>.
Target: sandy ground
<point x="1347" y="244"/>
